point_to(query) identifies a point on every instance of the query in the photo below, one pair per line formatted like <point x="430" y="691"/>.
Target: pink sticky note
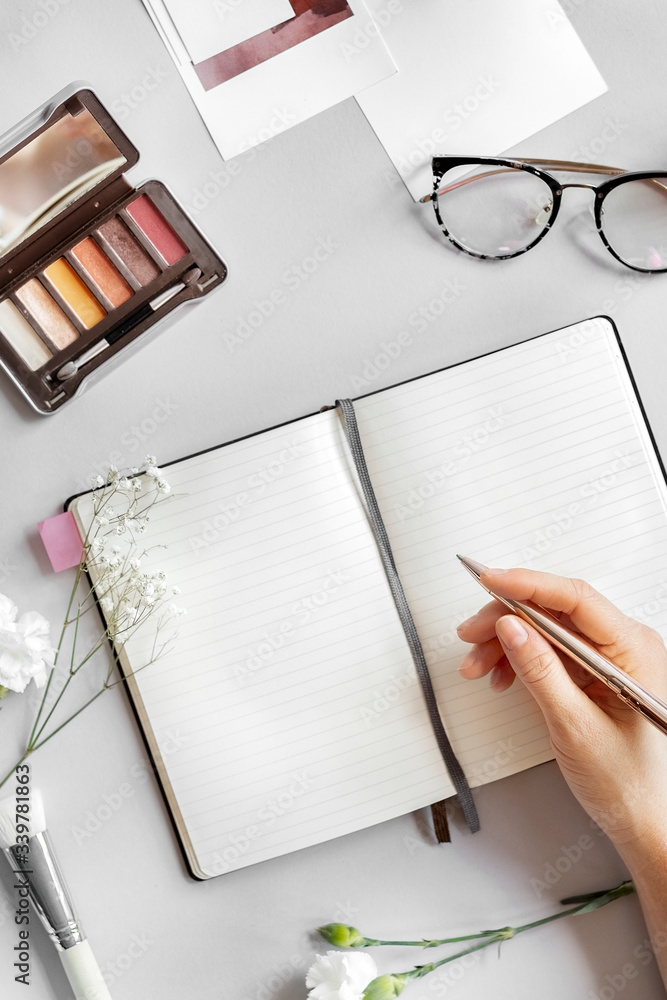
<point x="62" y="540"/>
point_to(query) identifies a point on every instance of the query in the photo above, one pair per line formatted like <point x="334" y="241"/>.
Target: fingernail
<point x="468" y="660"/>
<point x="511" y="632"/>
<point x="494" y="572"/>
<point x="497" y="677"/>
<point x="468" y="621"/>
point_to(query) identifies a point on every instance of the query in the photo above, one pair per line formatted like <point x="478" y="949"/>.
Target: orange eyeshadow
<point x="75" y="292"/>
<point x="101" y="272"/>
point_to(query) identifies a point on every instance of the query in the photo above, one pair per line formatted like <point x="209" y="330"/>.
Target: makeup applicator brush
<point x="38" y="877"/>
<point x="190" y="277"/>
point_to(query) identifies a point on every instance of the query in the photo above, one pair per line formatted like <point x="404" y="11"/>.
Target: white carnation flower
<point x="25" y="651"/>
<point x="340" y="976"/>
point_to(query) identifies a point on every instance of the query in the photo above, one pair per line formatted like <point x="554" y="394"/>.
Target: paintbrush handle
<point x="84" y="973"/>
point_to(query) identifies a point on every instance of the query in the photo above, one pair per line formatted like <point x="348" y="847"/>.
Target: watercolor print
<point x="310" y="18"/>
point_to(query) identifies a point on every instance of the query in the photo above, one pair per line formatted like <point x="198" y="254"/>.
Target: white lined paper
<point x="291" y="688"/>
<point x="564" y="478"/>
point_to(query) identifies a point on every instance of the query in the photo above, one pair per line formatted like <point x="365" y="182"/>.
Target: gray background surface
<point x="246" y="935"/>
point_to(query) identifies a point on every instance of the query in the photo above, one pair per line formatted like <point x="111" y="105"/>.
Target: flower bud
<point x="385" y="987"/>
<point x="342" y="935"/>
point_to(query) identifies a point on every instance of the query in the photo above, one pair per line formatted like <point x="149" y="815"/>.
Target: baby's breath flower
<point x="101" y="520"/>
<point x="135" y="563"/>
<point x="97" y="481"/>
<point x="176" y="591"/>
<point x="162" y="486"/>
<point x="153" y="471"/>
<point x="112" y="474"/>
<point x="150" y="460"/>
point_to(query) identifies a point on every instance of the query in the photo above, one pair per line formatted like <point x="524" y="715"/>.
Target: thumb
<point x="536" y="662"/>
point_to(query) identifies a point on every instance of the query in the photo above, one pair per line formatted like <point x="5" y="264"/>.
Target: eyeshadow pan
<point x="156" y="229"/>
<point x="17" y="330"/>
<point x="101" y="272"/>
<point x="50" y="317"/>
<point x="75" y="292"/>
<point x="134" y="257"/>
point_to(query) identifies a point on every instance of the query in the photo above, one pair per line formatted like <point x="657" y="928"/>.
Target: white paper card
<point x="475" y="77"/>
<point x="209" y="26"/>
<point x="251" y="92"/>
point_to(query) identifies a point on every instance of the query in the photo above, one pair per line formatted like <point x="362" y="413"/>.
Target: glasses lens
<point x="634" y="221"/>
<point x="494" y="211"/>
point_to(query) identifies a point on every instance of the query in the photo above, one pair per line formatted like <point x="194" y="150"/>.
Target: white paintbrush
<point x="37" y="870"/>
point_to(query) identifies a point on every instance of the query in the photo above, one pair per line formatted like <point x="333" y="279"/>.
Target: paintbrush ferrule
<point x="38" y="870"/>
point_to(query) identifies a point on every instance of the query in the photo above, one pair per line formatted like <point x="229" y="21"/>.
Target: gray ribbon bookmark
<point x="453" y="767"/>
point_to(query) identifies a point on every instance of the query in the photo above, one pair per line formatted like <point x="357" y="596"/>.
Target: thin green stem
<point x="63" y="724"/>
<point x="58" y="648"/>
<point x="506" y="933"/>
<point x="12" y="769"/>
<point x="429" y="942"/>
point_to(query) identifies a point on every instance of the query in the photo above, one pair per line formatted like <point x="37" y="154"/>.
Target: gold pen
<point x="626" y="687"/>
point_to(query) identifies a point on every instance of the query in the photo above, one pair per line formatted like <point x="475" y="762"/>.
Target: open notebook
<point x="291" y="689"/>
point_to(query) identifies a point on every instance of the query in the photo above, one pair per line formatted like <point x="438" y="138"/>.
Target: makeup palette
<point x="88" y="264"/>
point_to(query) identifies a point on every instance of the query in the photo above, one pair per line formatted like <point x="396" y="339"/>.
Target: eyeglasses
<point x="499" y="208"/>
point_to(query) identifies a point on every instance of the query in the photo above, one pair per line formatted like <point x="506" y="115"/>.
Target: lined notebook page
<point x="536" y="456"/>
<point x="275" y="715"/>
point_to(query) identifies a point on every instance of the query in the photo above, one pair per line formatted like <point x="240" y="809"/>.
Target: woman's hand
<point x="614" y="761"/>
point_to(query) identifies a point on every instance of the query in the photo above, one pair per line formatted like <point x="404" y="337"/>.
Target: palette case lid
<point x="52" y="163"/>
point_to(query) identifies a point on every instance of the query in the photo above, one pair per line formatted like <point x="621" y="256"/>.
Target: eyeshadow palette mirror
<point x="87" y="263"/>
